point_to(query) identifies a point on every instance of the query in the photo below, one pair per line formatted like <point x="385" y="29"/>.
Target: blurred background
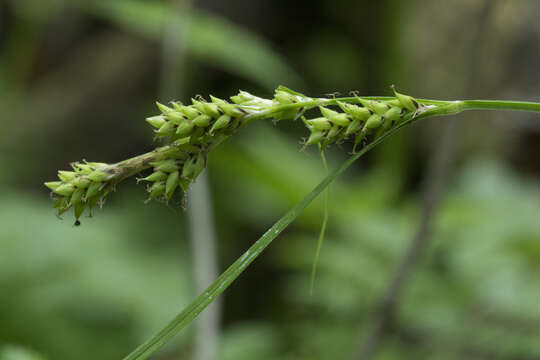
<point x="433" y="242"/>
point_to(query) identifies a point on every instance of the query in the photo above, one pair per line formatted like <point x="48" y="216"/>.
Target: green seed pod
<point x="78" y="210"/>
<point x="177" y="105"/>
<point x="327" y="113"/>
<point x="319" y="123"/>
<point x="379" y="107"/>
<point x="166" y="129"/>
<point x="283" y="97"/>
<point x="172" y="182"/>
<point x="157" y="189"/>
<point x="202" y="120"/>
<point x="406" y="101"/>
<point x="340" y="120"/>
<point x="334" y="131"/>
<point x="65" y="189"/>
<point x="185" y="128"/>
<point x="188" y="169"/>
<point x="315" y="137"/>
<point x="98" y="176"/>
<point x="190" y="111"/>
<point x="97" y="198"/>
<point x="176" y="117"/>
<point x="211" y="109"/>
<point x="359" y="137"/>
<point x="156" y="176"/>
<point x="217" y="100"/>
<point x="66" y="175"/>
<point x="244" y="97"/>
<point x="81" y="182"/>
<point x="76" y="196"/>
<point x="93" y="190"/>
<point x="376" y="106"/>
<point x="394" y="102"/>
<point x="232" y="110"/>
<point x="220" y="123"/>
<point x="156" y="121"/>
<point x="355" y="111"/>
<point x="393" y="114"/>
<point x="237" y="99"/>
<point x="335" y="117"/>
<point x="168" y="165"/>
<point x="82" y="169"/>
<point x="373" y="122"/>
<point x="184" y="184"/>
<point x="53" y="185"/>
<point x="198" y="165"/>
<point x="353" y="127"/>
<point x="163" y="108"/>
<point x="91" y="204"/>
<point x="180" y="142"/>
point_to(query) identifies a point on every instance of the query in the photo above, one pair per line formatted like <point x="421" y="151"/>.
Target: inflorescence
<point x="191" y="131"/>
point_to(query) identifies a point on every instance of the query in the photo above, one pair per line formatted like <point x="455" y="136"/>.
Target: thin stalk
<point x="500" y="105"/>
<point x="204" y="251"/>
<point x="323" y="228"/>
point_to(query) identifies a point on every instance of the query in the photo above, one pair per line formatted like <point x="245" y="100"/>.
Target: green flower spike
<point x="190" y="132"/>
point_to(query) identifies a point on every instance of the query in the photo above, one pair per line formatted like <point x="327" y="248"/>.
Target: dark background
<point x="77" y="79"/>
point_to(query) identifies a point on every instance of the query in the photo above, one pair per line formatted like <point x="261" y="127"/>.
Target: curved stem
<point x="323" y="227"/>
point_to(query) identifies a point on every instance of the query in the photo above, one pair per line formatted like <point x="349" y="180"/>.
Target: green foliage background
<point x="77" y="79"/>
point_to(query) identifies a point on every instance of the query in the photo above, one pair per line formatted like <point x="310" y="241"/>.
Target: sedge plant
<point x="192" y="131"/>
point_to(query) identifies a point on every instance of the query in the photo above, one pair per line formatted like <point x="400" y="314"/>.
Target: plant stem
<point x="500" y="105"/>
<point x="323" y="227"/>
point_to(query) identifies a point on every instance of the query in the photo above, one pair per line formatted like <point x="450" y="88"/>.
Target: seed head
<point x="191" y="131"/>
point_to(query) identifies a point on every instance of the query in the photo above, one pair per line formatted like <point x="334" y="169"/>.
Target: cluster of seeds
<point x="191" y="131"/>
<point x="359" y="121"/>
<point x="85" y="186"/>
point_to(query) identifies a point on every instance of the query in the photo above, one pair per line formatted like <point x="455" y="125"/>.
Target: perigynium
<point x="192" y="131"/>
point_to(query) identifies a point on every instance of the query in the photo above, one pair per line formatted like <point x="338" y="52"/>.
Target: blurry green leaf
<point x="12" y="352"/>
<point x="208" y="37"/>
<point x="108" y="282"/>
<point x="250" y="341"/>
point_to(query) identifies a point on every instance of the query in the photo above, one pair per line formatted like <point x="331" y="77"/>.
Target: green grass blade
<point x="323" y="229"/>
